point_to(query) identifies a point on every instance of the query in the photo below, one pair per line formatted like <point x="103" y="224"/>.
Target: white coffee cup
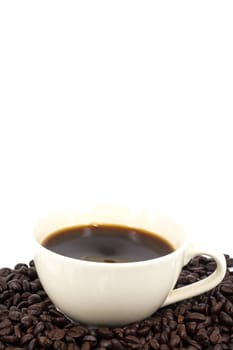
<point x="98" y="293"/>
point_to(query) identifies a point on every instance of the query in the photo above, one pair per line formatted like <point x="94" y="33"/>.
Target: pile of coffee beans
<point x="29" y="320"/>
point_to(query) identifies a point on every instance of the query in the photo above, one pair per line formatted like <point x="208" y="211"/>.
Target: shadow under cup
<point x="113" y="294"/>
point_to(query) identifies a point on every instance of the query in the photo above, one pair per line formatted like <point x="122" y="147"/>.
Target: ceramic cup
<point x="97" y="293"/>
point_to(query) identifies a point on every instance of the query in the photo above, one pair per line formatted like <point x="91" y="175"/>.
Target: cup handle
<point x="201" y="286"/>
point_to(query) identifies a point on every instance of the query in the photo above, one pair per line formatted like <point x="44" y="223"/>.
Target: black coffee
<point x="107" y="243"/>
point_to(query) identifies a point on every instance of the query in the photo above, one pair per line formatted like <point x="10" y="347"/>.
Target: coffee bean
<point x="164" y="347"/>
<point x="34" y="298"/>
<point x="105" y="333"/>
<point x="154" y="343"/>
<point x="10" y="339"/>
<point x="174" y="341"/>
<point x="14" y="315"/>
<point x="132" y="339"/>
<point x="29" y="320"/>
<point x="195" y="316"/>
<point x="26" y="321"/>
<point x="32" y="344"/>
<point x="217" y="347"/>
<point x="91" y="339"/>
<point x="116" y="344"/>
<point x="225" y="318"/>
<point x="86" y="346"/>
<point x="77" y="332"/>
<point x="5" y="327"/>
<point x="44" y="341"/>
<point x="71" y="346"/>
<point x="26" y="339"/>
<point x="56" y="334"/>
<point x="15" y="285"/>
<point x="38" y="328"/>
<point x="5" y="271"/>
<point x="17" y="331"/>
<point x="106" y="343"/>
<point x="143" y="331"/>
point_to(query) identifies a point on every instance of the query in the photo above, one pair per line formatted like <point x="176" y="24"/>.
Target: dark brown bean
<point x="14" y="315"/>
<point x="56" y="334"/>
<point x="174" y="341"/>
<point x="33" y="299"/>
<point x="5" y="327"/>
<point x="86" y="346"/>
<point x="105" y="332"/>
<point x="71" y="346"/>
<point x="38" y="328"/>
<point x="116" y="344"/>
<point x="44" y="341"/>
<point x="17" y="331"/>
<point x="217" y="347"/>
<point x="10" y="339"/>
<point x="77" y="332"/>
<point x="59" y="345"/>
<point x="225" y="318"/>
<point x="29" y="319"/>
<point x="164" y="347"/>
<point x="26" y="338"/>
<point x="106" y="343"/>
<point x="154" y="344"/>
<point x="195" y="316"/>
<point x="91" y="339"/>
<point x="15" y="285"/>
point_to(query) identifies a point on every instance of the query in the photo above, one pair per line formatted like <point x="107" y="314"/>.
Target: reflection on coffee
<point x="107" y="243"/>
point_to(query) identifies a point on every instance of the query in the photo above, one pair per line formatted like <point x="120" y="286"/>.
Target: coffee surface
<point x="107" y="243"/>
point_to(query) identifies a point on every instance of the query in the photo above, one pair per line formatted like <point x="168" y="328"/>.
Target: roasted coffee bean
<point x="195" y="316"/>
<point x="5" y="271"/>
<point x="132" y="339"/>
<point x="86" y="346"/>
<point x="33" y="299"/>
<point x="164" y="347"/>
<point x="17" y="331"/>
<point x="116" y="344"/>
<point x="106" y="343"/>
<point x="174" y="341"/>
<point x="56" y="334"/>
<point x="143" y="331"/>
<point x="71" y="346"/>
<point x="15" y="285"/>
<point x="44" y="341"/>
<point x="26" y="338"/>
<point x="10" y="339"/>
<point x="105" y="333"/>
<point x="29" y="320"/>
<point x="38" y="328"/>
<point x="77" y="332"/>
<point x="91" y="339"/>
<point x="33" y="344"/>
<point x="14" y="315"/>
<point x="5" y="327"/>
<point x="225" y="318"/>
<point x="59" y="345"/>
<point x="154" y="343"/>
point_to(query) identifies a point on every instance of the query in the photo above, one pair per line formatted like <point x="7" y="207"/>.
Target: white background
<point x="116" y="99"/>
